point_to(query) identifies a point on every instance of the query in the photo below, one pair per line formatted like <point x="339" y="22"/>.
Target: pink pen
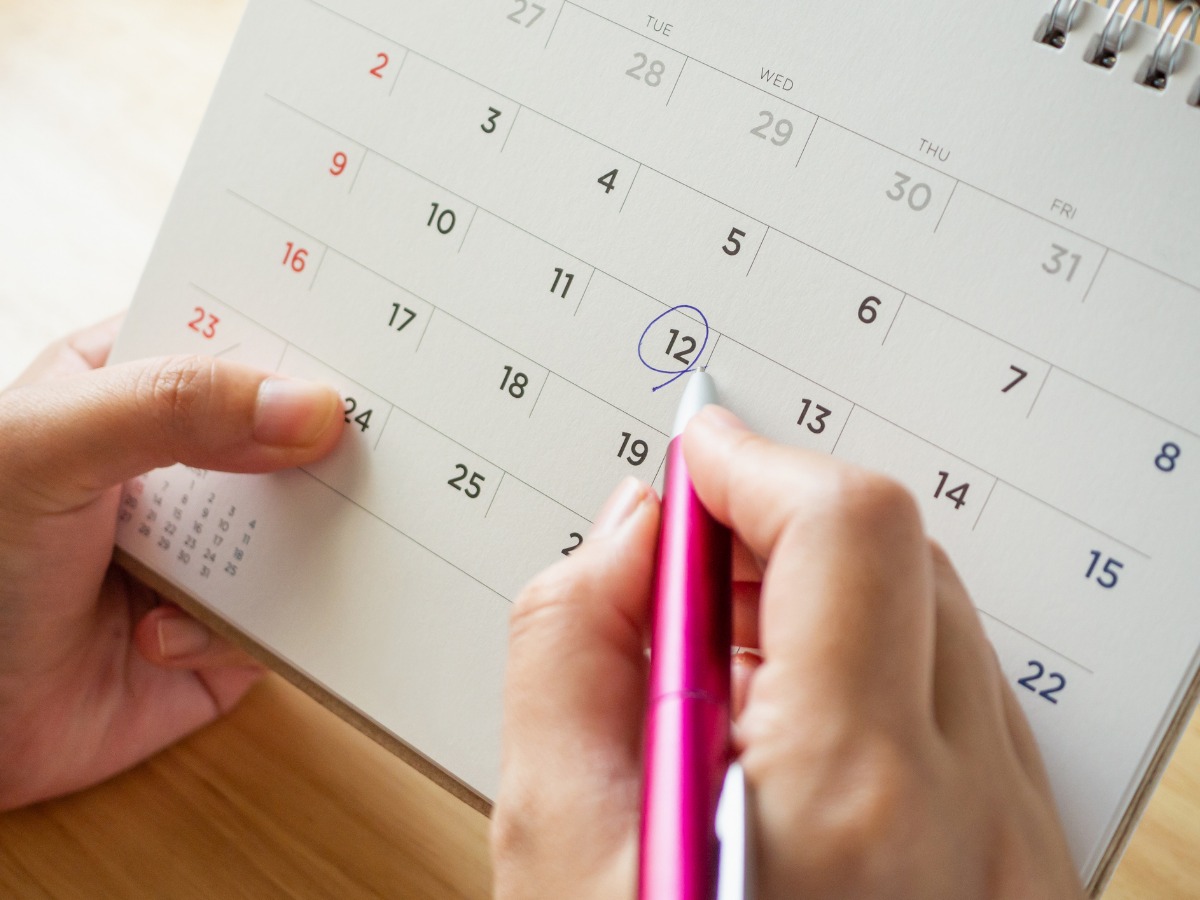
<point x="687" y="719"/>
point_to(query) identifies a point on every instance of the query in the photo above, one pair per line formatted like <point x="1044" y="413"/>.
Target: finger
<point x="72" y="439"/>
<point x="746" y="566"/>
<point x="169" y="637"/>
<point x="745" y="614"/>
<point x="86" y="349"/>
<point x="745" y="664"/>
<point x="847" y="602"/>
<point x="1023" y="742"/>
<point x="967" y="701"/>
<point x="574" y="697"/>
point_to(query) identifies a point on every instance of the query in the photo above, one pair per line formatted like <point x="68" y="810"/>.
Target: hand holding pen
<point x="885" y="751"/>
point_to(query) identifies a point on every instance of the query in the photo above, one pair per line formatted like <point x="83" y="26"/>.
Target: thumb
<point x="574" y="698"/>
<point x="69" y="440"/>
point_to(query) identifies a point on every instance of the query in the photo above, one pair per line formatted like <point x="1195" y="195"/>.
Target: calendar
<point x="949" y="242"/>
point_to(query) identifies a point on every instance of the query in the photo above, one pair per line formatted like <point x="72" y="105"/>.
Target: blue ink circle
<point x="675" y="374"/>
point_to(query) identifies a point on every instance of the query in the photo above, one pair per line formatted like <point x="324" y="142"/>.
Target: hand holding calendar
<point x="93" y="676"/>
<point x="886" y="753"/>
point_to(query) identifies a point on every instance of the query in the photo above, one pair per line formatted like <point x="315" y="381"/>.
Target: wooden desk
<point x="99" y="100"/>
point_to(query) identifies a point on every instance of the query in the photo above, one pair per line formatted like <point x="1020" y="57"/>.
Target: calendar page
<point x="914" y="237"/>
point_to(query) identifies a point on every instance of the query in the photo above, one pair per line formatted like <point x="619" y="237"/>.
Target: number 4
<point x="608" y="180"/>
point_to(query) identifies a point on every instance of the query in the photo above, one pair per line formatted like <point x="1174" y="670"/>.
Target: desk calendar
<point x="951" y="243"/>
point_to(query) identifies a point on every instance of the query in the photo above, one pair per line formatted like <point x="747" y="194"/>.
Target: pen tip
<point x="698" y="393"/>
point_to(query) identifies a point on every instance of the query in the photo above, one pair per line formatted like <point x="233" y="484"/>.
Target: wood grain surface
<point x="99" y="101"/>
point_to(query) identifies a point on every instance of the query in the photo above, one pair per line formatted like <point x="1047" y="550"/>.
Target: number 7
<point x="1021" y="373"/>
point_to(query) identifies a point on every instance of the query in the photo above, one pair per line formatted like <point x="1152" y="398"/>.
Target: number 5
<point x="736" y="247"/>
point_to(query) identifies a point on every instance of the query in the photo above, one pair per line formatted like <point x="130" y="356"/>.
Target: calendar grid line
<point x="512" y="127"/>
<point x="758" y="251"/>
<point x="583" y="296"/>
<point x="470" y="222"/>
<point x="845" y="423"/>
<point x="678" y="78"/>
<point x="1041" y="387"/>
<point x="554" y="25"/>
<point x="1034" y="640"/>
<point x="358" y="169"/>
<point x="541" y="390"/>
<point x="383" y="428"/>
<point x="1095" y="275"/>
<point x="949" y="200"/>
<point x="986" y="500"/>
<point x="811" y="132"/>
<point x="406" y="535"/>
<point x="665" y="305"/>
<point x="1076" y="519"/>
<point x="317" y="271"/>
<point x="399" y="71"/>
<point x="629" y="191"/>
<point x="892" y="324"/>
<point x="496" y="493"/>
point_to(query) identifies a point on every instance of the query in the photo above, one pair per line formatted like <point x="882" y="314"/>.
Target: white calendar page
<point x="909" y="236"/>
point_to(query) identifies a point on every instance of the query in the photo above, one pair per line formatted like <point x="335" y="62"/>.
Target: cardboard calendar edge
<point x="1141" y="797"/>
<point x="321" y="695"/>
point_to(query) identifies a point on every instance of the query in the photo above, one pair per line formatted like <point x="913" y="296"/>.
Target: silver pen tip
<point x="699" y="392"/>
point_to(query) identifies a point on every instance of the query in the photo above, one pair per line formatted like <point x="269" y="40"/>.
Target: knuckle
<point x="545" y="603"/>
<point x="872" y="502"/>
<point x="172" y="391"/>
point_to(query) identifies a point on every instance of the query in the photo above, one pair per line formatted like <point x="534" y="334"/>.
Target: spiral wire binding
<point x="1104" y="49"/>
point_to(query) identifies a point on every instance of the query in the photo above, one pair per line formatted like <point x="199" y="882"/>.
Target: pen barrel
<point x="687" y="725"/>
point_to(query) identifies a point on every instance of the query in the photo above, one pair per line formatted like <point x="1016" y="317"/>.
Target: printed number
<point x="1021" y="373"/>
<point x="654" y="74"/>
<point x="783" y="129"/>
<point x="577" y="539"/>
<point x="566" y="278"/>
<point x="608" y="180"/>
<point x="445" y="219"/>
<point x="733" y="246"/>
<point x="362" y="420"/>
<point x="230" y="569"/>
<point x="817" y="425"/>
<point x="1167" y="457"/>
<point x="514" y="382"/>
<point x="295" y="257"/>
<point x="683" y="339"/>
<point x="384" y="59"/>
<point x="868" y="310"/>
<point x="397" y="311"/>
<point x="474" y="481"/>
<point x="207" y="330"/>
<point x="919" y="195"/>
<point x="523" y="6"/>
<point x="1108" y="575"/>
<point x="1054" y="265"/>
<point x="490" y="125"/>
<point x="1029" y="682"/>
<point x="957" y="494"/>
<point x="638" y="449"/>
<point x="340" y="161"/>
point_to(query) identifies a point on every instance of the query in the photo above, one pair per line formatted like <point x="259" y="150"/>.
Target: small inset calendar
<point x="948" y="243"/>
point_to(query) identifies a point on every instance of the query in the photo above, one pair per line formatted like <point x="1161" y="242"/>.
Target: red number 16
<point x="296" y="258"/>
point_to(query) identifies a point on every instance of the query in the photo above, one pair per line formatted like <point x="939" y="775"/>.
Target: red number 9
<point x="340" y="161"/>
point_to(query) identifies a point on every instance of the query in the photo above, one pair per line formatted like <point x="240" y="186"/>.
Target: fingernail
<point x="720" y="418"/>
<point x="619" y="507"/>
<point x="294" y="413"/>
<point x="179" y="637"/>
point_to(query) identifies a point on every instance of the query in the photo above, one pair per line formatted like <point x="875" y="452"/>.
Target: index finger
<point x="847" y="602"/>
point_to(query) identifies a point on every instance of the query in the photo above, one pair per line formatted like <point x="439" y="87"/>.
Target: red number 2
<point x="340" y="161"/>
<point x="198" y="325"/>
<point x="383" y="62"/>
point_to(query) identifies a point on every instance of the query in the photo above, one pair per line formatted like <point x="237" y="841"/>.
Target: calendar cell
<point x="341" y="73"/>
<point x="307" y="168"/>
<point x="732" y="141"/>
<point x="548" y="532"/>
<point x="775" y="401"/>
<point x="363" y="325"/>
<point x="587" y="184"/>
<point x="446" y="126"/>
<point x="866" y="204"/>
<point x="525" y="281"/>
<point x="699" y="249"/>
<point x="602" y="439"/>
<point x="826" y="320"/>
<point x="951" y="492"/>
<point x="258" y="263"/>
<point x="1143" y="474"/>
<point x="491" y="389"/>
<point x="989" y="385"/>
<point x="634" y="74"/>
<point x="1018" y="277"/>
<point x="433" y="489"/>
<point x="366" y="415"/>
<point x="424" y="223"/>
<point x="1136" y="339"/>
